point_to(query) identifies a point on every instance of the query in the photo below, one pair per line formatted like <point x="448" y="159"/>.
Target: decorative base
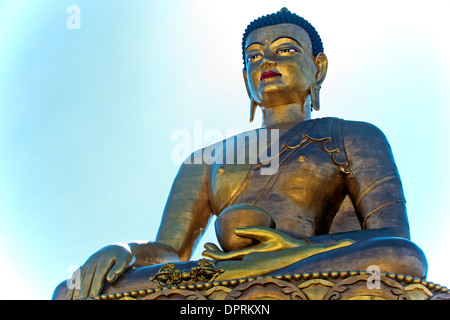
<point x="328" y="285"/>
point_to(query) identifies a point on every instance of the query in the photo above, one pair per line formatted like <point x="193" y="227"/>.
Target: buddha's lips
<point x="269" y="74"/>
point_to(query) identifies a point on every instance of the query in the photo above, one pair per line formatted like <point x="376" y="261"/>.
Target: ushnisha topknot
<point x="284" y="16"/>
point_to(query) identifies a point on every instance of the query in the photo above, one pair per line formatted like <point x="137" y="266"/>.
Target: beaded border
<point x="435" y="288"/>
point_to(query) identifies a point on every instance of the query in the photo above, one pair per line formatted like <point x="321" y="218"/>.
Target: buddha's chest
<point x="298" y="179"/>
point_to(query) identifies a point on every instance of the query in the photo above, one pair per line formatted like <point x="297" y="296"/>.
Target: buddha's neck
<point x="285" y="114"/>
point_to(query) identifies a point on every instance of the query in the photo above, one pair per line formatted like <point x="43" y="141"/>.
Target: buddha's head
<point x="284" y="63"/>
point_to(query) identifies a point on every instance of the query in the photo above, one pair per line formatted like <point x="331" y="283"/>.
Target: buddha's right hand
<point x="106" y="264"/>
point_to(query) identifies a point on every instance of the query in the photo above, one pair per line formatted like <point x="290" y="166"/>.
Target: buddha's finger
<point x="72" y="283"/>
<point x="87" y="281"/>
<point x="209" y="253"/>
<point x="118" y="268"/>
<point x="261" y="234"/>
<point x="71" y="288"/>
<point x="99" y="279"/>
<point x="76" y="282"/>
<point x="214" y="254"/>
<point x="212" y="246"/>
<point x="220" y="255"/>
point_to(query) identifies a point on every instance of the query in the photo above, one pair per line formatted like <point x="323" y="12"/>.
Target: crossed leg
<point x="395" y="255"/>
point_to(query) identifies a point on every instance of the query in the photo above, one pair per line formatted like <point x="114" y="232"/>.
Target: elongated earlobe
<point x="315" y="101"/>
<point x="321" y="62"/>
<point x="253" y="107"/>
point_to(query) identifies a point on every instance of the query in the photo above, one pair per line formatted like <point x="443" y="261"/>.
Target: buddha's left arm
<point x="374" y="185"/>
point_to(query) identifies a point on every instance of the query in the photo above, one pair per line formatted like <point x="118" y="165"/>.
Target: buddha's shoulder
<point x="361" y="132"/>
<point x="349" y="129"/>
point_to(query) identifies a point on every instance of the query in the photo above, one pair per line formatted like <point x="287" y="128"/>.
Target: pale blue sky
<point x="86" y="115"/>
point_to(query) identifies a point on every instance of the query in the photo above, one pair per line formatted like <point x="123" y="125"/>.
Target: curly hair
<point x="284" y="16"/>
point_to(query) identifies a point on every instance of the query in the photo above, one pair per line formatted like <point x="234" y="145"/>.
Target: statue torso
<point x="305" y="191"/>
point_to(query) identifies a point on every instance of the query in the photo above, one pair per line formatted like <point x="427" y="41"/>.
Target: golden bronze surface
<point x="334" y="202"/>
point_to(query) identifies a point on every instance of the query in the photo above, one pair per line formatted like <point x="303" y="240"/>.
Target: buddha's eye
<point x="253" y="57"/>
<point x="288" y="50"/>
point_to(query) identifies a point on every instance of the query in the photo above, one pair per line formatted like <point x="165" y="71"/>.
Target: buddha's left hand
<point x="270" y="240"/>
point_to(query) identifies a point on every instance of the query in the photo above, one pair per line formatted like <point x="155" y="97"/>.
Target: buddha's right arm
<point x="185" y="217"/>
<point x="187" y="210"/>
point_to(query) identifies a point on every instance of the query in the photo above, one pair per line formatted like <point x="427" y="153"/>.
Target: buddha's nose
<point x="267" y="63"/>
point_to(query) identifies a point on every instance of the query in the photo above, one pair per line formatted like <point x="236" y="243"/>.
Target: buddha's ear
<point x="244" y="73"/>
<point x="253" y="104"/>
<point x="321" y="62"/>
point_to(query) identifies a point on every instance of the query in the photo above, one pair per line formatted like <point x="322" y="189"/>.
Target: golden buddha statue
<point x="286" y="221"/>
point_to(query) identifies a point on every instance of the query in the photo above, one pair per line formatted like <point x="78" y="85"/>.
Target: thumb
<point x="117" y="269"/>
<point x="261" y="234"/>
<point x="211" y="246"/>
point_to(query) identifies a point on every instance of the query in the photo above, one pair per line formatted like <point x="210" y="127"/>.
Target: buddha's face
<point x="279" y="65"/>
